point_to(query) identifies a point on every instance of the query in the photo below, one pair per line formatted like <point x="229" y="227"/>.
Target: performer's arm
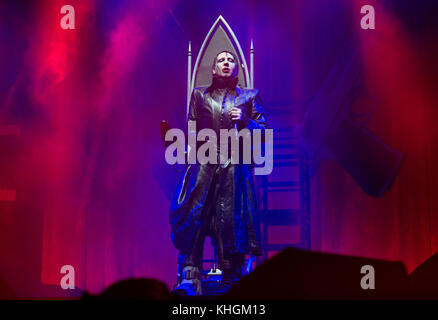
<point x="193" y="106"/>
<point x="254" y="117"/>
<point x="192" y="116"/>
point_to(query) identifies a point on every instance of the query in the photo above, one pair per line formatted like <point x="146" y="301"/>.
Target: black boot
<point x="232" y="272"/>
<point x="229" y="279"/>
<point x="189" y="282"/>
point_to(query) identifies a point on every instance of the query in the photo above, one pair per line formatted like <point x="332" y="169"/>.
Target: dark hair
<point x="236" y="61"/>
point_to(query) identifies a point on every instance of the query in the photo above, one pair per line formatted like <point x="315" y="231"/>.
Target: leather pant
<point x="229" y="263"/>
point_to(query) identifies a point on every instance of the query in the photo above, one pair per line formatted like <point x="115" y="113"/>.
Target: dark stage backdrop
<point x="80" y="175"/>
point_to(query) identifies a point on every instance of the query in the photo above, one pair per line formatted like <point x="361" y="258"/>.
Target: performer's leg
<point x="230" y="263"/>
<point x="231" y="266"/>
<point x="190" y="265"/>
<point x="194" y="258"/>
<point x="190" y="269"/>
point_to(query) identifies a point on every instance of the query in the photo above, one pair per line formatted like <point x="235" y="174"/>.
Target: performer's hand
<point x="236" y="114"/>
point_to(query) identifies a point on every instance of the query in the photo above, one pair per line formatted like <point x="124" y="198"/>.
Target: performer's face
<point x="225" y="65"/>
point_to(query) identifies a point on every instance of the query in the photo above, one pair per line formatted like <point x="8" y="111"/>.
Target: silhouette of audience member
<point x="133" y="289"/>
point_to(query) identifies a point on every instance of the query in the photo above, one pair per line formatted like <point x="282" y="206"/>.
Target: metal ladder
<point x="287" y="156"/>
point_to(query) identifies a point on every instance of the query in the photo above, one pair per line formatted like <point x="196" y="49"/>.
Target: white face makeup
<point x="225" y="65"/>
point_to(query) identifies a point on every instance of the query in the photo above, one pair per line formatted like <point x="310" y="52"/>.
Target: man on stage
<point x="218" y="200"/>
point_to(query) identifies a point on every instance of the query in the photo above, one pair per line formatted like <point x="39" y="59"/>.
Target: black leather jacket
<point x="224" y="194"/>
